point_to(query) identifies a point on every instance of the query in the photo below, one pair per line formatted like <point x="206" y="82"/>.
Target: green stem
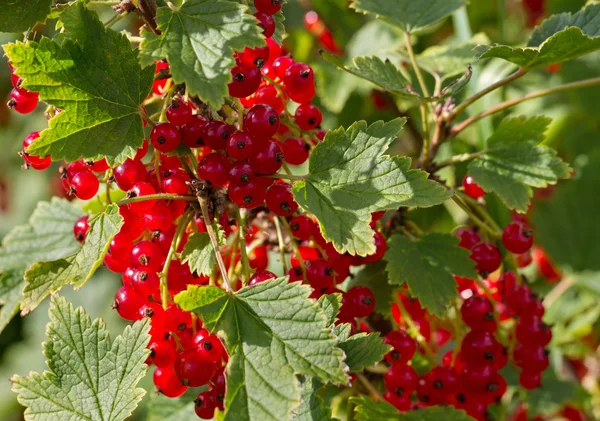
<point x="287" y="176"/>
<point x="507" y="104"/>
<point x="145" y="117"/>
<point x="102" y="3"/>
<point x="456" y="159"/>
<point x="414" y="329"/>
<point x="295" y="247"/>
<point x="281" y="244"/>
<point x="114" y="19"/>
<point x="241" y="217"/>
<point x="424" y="117"/>
<point x="158" y="196"/>
<point x="413" y="61"/>
<point x="480" y="223"/>
<point x="369" y="386"/>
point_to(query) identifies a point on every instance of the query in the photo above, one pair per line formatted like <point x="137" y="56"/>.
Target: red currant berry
<point x="214" y="168"/>
<point x="281" y="64"/>
<point x="531" y="358"/>
<point x="472" y="189"/>
<point x="205" y="404"/>
<point x="444" y="381"/>
<point x="478" y="313"/>
<point x="571" y="413"/>
<point x="239" y="145"/>
<point x="479" y="347"/>
<point x="259" y="258"/>
<point x="158" y="86"/>
<point x="165" y="137"/>
<point x="128" y="303"/>
<point x="208" y="346"/>
<point x="476" y="377"/>
<point x="308" y="254"/>
<point x="167" y="382"/>
<point x="192" y="369"/>
<point x="358" y="302"/>
<point x="162" y="352"/>
<point x="380" y="248"/>
<point x="142" y="207"/>
<point x="261" y="122"/>
<point x="517" y="237"/>
<point x="486" y="256"/>
<point x="531" y="331"/>
<point x="266" y="22"/>
<point x="129" y="173"/>
<point x="401" y="403"/>
<point x="254" y="57"/>
<point x="85" y="185"/>
<point x="295" y="150"/>
<point x="145" y="283"/>
<point x="320" y="274"/>
<point x="270" y="7"/>
<point x="280" y="199"/>
<point x="299" y="82"/>
<point x="241" y="173"/>
<point x="179" y="112"/>
<point x="142" y="151"/>
<point x="133" y="226"/>
<point x="545" y="265"/>
<point x="217" y="134"/>
<point x="468" y="238"/>
<point x="81" y="228"/>
<point x="302" y="227"/>
<point x="249" y="196"/>
<point x="530" y="379"/>
<point x="23" y="101"/>
<point x="178" y="320"/>
<point x="404" y="347"/>
<point x="34" y="161"/>
<point x="245" y="81"/>
<point x="524" y="259"/>
<point x="308" y="116"/>
<point x="268" y="95"/>
<point x="401" y="379"/>
<point x="155" y="313"/>
<point x="267" y="158"/>
<point x="192" y="132"/>
<point x="175" y="182"/>
<point x="147" y="256"/>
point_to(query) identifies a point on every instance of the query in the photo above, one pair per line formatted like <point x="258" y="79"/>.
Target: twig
<point x="369" y="386"/>
<point x="557" y="291"/>
<point x="475" y="218"/>
<point x="281" y="244"/>
<point x="158" y="196"/>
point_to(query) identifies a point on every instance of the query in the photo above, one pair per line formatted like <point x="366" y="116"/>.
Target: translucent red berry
<point x="179" y="112"/>
<point x="167" y="382"/>
<point x="140" y="189"/>
<point x="468" y="237"/>
<point x="261" y="276"/>
<point x="401" y="379"/>
<point x="404" y="346"/>
<point x="261" y="122"/>
<point x="280" y="199"/>
<point x="129" y="173"/>
<point x="270" y="7"/>
<point x="299" y="82"/>
<point x="85" y="185"/>
<point x="266" y="22"/>
<point x="267" y="158"/>
<point x="23" y="101"/>
<point x="35" y="162"/>
<point x="245" y="81"/>
<point x="217" y="134"/>
<point x="165" y="137"/>
<point x="487" y="257"/>
<point x="472" y="189"/>
<point x="128" y="303"/>
<point x="478" y="313"/>
<point x="239" y="145"/>
<point x="248" y="195"/>
<point x="308" y="116"/>
<point x="517" y="237"/>
<point x="214" y="168"/>
<point x="81" y="228"/>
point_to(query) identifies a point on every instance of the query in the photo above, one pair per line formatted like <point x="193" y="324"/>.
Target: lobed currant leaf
<point x="426" y="265"/>
<point x="363" y="350"/>
<point x="409" y="15"/>
<point x="330" y="304"/>
<point x="90" y="377"/>
<point x="199" y="253"/>
<point x="349" y="178"/>
<point x="198" y="40"/>
<point x="272" y="331"/>
<point x="161" y="408"/>
<point x="94" y="76"/>
<point x="11" y="293"/>
<point x="366" y="409"/>
<point x="312" y="407"/>
<point x="369" y="410"/>
<point x="45" y="278"/>
<point x="19" y="16"/>
<point x="566" y="222"/>
<point x="514" y="162"/>
<point x="559" y="38"/>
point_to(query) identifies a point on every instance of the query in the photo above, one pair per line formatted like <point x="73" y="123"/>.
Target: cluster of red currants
<point x="21" y="100"/>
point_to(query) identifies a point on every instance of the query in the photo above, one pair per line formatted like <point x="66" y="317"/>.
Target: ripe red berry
<point x="320" y="274"/>
<point x="270" y="7"/>
<point x="208" y="346"/>
<point x="245" y="81"/>
<point x="358" y="302"/>
<point x="241" y="173"/>
<point x="476" y="377"/>
<point x="401" y="403"/>
<point x="162" y="352"/>
<point x="167" y="382"/>
<point x="478" y="313"/>
<point x="532" y="357"/>
<point x="81" y="228"/>
<point x="479" y="347"/>
<point x="129" y="173"/>
<point x="23" y="101"/>
<point x="404" y="347"/>
<point x="214" y="168"/>
<point x="267" y="158"/>
<point x="472" y="189"/>
<point x="179" y="112"/>
<point x="99" y="166"/>
<point x="128" y="303"/>
<point x="178" y="320"/>
<point x="302" y="227"/>
<point x="299" y="82"/>
<point x="85" y="185"/>
<point x="165" y="137"/>
<point x="192" y="369"/>
<point x="545" y="265"/>
<point x="401" y="379"/>
<point x="486" y="256"/>
<point x="530" y="379"/>
<point x="259" y="258"/>
<point x="248" y="195"/>
<point x="254" y="57"/>
<point x="205" y="404"/>
<point x="517" y="237"/>
<point x="175" y="182"/>
<point x="147" y="256"/>
<point x="268" y="95"/>
<point x="239" y="145"/>
<point x="36" y="162"/>
<point x="261" y="276"/>
<point x="145" y="283"/>
<point x="468" y="237"/>
<point x="266" y="22"/>
<point x="295" y="150"/>
<point x="142" y="207"/>
<point x="261" y="122"/>
<point x="308" y="116"/>
<point x="380" y="248"/>
<point x="280" y="199"/>
<point x="216" y="134"/>
<point x="444" y="381"/>
<point x="531" y="330"/>
<point x="192" y="132"/>
<point x="281" y="64"/>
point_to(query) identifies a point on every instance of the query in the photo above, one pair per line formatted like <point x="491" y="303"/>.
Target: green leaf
<point x="272" y="332"/>
<point x="312" y="407"/>
<point x="330" y="304"/>
<point x="198" y="39"/>
<point x="45" y="278"/>
<point x="95" y="78"/>
<point x="552" y="395"/>
<point x="48" y="236"/>
<point x="349" y="178"/>
<point x="559" y="38"/>
<point x="363" y="350"/>
<point x="409" y="15"/>
<point x="427" y="265"/>
<point x="369" y="410"/>
<point x="90" y="376"/>
<point x="161" y="408"/>
<point x="566" y="223"/>
<point x="199" y="254"/>
<point x="20" y="15"/>
<point x="514" y="162"/>
<point x="11" y="292"/>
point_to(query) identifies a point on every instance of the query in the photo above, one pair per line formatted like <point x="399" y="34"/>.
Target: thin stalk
<point x="181" y="226"/>
<point x="369" y="386"/>
<point x="414" y="329"/>
<point x="467" y="102"/>
<point x="456" y="159"/>
<point x="241" y="217"/>
<point x="213" y="239"/>
<point x="413" y="61"/>
<point x="114" y="20"/>
<point x="157" y="166"/>
<point x="158" y="196"/>
<point x="167" y="99"/>
<point x="281" y="244"/>
<point x="102" y="3"/>
<point x="295" y="247"/>
<point x="146" y="118"/>
<point x="510" y="103"/>
<point x="424" y="117"/>
<point x="480" y="223"/>
<point x="286" y="176"/>
<point x="109" y="175"/>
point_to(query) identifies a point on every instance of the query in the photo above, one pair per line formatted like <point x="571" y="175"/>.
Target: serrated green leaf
<point x="330" y="304"/>
<point x="409" y="15"/>
<point x="363" y="350"/>
<point x="566" y="223"/>
<point x="349" y="178"/>
<point x="559" y="38"/>
<point x="95" y="78"/>
<point x="426" y="265"/>
<point x="45" y="278"/>
<point x="552" y="395"/>
<point x="272" y="332"/>
<point x="11" y="292"/>
<point x="161" y="408"/>
<point x="312" y="407"/>
<point x="369" y="410"/>
<point x="198" y="39"/>
<point x="90" y="376"/>
<point x="48" y="236"/>
<point x="514" y="162"/>
<point x="19" y="15"/>
<point x="199" y="254"/>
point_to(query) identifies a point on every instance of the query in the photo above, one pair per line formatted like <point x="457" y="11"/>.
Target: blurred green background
<point x="561" y="222"/>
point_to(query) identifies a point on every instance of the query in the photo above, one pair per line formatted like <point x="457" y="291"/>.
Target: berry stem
<point x="241" y="217"/>
<point x="456" y="159"/>
<point x="287" y="176"/>
<point x="158" y="196"/>
<point x="507" y="104"/>
<point x="295" y="247"/>
<point x="107" y="180"/>
<point x="369" y="386"/>
<point x="481" y="211"/>
<point x="281" y="244"/>
<point x="415" y="66"/>
<point x="480" y="223"/>
<point x="145" y="117"/>
<point x="412" y="327"/>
